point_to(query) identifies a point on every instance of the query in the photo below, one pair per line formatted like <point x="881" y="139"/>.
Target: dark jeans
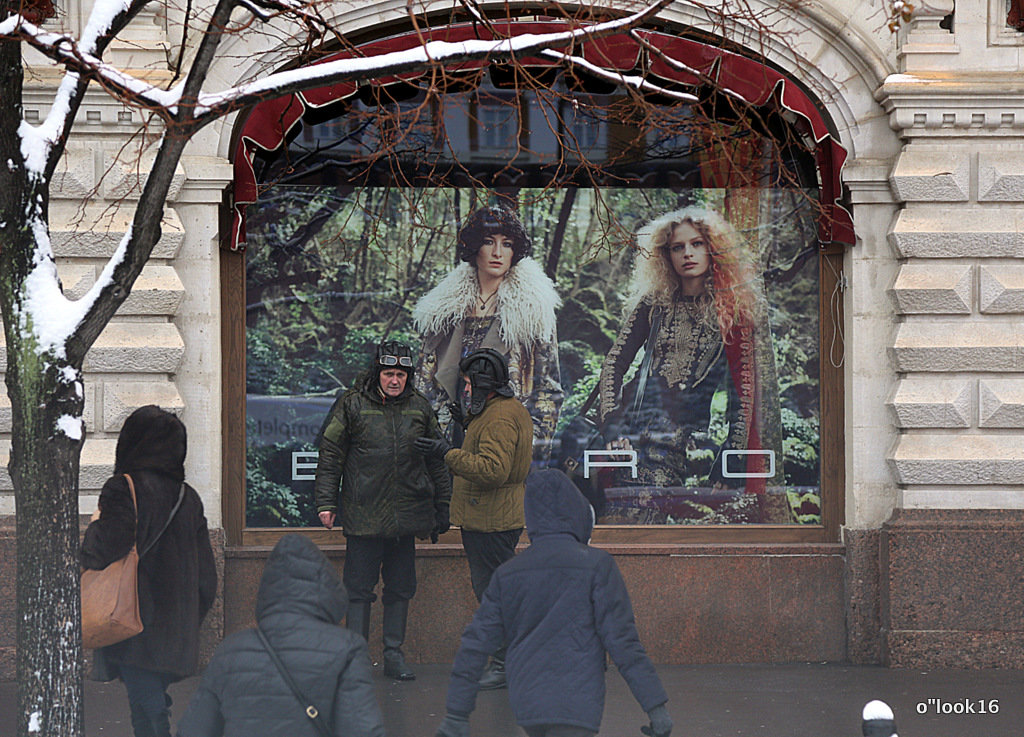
<point x="558" y="730"/>
<point x="485" y="551"/>
<point x="369" y="558"/>
<point x="148" y="700"/>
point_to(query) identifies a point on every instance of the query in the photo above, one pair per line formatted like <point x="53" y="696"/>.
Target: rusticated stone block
<point x="157" y="291"/>
<point x="1001" y="289"/>
<point x="126" y="173"/>
<point x="98" y="232"/>
<point x="927" y="231"/>
<point x="88" y="412"/>
<point x="964" y="460"/>
<point x="958" y="345"/>
<point x="933" y="289"/>
<point x="120" y="399"/>
<point x="932" y="403"/>
<point x="136" y="347"/>
<point x="75" y="176"/>
<point x="75" y="278"/>
<point x="96" y="465"/>
<point x="1001" y="177"/>
<point x="932" y="176"/>
<point x="1001" y="403"/>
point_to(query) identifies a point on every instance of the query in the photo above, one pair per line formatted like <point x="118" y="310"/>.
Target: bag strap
<point x="311" y="711"/>
<point x="174" y="511"/>
<point x="135" y="507"/>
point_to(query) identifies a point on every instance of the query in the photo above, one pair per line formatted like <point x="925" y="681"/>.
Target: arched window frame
<point x="681" y="61"/>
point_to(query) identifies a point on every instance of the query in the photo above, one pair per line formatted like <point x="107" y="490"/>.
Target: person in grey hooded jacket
<point x="560" y="605"/>
<point x="300" y="603"/>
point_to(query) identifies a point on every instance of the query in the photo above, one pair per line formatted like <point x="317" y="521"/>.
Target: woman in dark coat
<point x="300" y="602"/>
<point x="177" y="575"/>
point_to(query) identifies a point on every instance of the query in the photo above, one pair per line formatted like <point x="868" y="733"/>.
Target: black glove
<point x="453" y="726"/>
<point x="442" y="522"/>
<point x="456" y="412"/>
<point x="432" y="446"/>
<point x="661" y="722"/>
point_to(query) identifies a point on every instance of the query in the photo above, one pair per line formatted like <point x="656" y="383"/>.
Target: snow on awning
<point x="269" y="123"/>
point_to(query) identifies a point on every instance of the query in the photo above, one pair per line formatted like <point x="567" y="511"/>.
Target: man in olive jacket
<point x="389" y="494"/>
<point x="490" y="470"/>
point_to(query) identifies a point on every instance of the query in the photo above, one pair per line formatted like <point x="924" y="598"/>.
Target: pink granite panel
<point x="863" y="604"/>
<point x="696" y="608"/>
<point x="807" y="608"/>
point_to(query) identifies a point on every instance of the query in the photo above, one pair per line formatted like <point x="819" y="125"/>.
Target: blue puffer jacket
<point x="560" y="605"/>
<point x="300" y="602"/>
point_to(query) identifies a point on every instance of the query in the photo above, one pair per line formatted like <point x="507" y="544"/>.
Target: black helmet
<point x="487" y="371"/>
<point x="391" y="354"/>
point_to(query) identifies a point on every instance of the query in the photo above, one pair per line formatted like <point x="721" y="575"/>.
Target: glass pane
<point x="689" y="344"/>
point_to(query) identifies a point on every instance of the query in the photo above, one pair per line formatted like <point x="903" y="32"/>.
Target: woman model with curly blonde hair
<point x="697" y="309"/>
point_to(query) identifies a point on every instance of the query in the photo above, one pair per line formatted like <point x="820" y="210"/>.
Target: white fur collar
<point x="527" y="301"/>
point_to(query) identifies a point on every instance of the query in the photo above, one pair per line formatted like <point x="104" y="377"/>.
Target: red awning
<point x="269" y="123"/>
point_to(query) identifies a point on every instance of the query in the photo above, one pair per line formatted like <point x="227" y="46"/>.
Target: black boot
<point x="141" y="726"/>
<point x="395" y="615"/>
<point x="358" y="618"/>
<point x="161" y="724"/>
<point x="493" y="676"/>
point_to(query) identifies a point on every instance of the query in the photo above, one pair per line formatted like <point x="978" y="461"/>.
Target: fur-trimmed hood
<point x="527" y="301"/>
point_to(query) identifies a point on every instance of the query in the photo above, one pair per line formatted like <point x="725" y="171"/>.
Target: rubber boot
<point x="358" y="618"/>
<point x="141" y="726"/>
<point x="161" y="724"/>
<point x="395" y="616"/>
<point x="493" y="676"/>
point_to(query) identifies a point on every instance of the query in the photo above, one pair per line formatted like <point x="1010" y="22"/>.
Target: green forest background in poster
<point x="331" y="271"/>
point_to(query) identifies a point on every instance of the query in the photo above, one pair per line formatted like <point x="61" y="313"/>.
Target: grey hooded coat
<point x="300" y="602"/>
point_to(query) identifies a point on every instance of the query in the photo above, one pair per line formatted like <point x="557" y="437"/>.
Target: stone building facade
<point x="925" y="568"/>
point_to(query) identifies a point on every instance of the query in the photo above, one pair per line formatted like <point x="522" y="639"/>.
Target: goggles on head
<point x="405" y="361"/>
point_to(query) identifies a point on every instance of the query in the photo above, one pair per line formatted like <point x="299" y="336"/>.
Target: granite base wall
<point x="693" y="603"/>
<point x="953" y="588"/>
<point x="932" y="588"/>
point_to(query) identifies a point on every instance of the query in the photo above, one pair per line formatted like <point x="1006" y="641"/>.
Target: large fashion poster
<point x="664" y="341"/>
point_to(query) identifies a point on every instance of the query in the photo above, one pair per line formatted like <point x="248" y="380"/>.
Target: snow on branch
<point x="627" y="80"/>
<point x="213" y="105"/>
<point x="64" y="49"/>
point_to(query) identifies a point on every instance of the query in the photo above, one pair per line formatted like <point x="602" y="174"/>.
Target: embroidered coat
<point x="690" y="363"/>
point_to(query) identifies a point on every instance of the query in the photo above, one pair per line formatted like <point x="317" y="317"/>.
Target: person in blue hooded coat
<point x="300" y="602"/>
<point x="561" y="606"/>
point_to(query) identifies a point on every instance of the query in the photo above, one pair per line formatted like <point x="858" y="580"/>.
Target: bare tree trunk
<point x="551" y="268"/>
<point x="44" y="462"/>
<point x="44" y="466"/>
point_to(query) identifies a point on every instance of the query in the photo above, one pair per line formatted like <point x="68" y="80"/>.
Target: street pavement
<point x="799" y="700"/>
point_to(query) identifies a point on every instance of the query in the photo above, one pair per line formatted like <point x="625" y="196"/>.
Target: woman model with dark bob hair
<point x="499" y="298"/>
<point x="697" y="308"/>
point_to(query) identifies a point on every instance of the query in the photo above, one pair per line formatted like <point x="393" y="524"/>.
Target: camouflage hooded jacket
<point x="387" y="489"/>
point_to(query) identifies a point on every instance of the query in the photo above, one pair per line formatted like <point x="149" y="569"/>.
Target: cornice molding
<point x="942" y="105"/>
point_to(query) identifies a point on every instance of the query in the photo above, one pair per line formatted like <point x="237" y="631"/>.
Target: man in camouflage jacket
<point x="389" y="493"/>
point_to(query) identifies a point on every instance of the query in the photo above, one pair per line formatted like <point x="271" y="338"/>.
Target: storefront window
<point x="664" y="331"/>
